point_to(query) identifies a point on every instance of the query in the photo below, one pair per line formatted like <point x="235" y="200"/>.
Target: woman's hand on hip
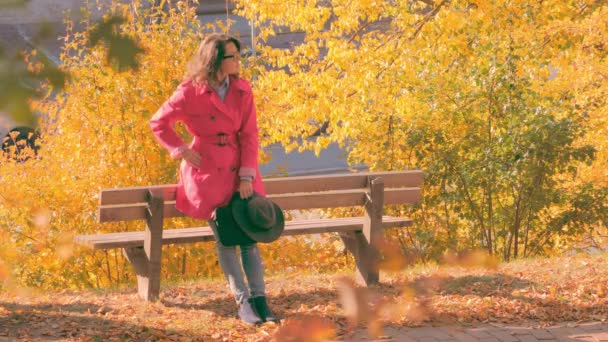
<point x="192" y="157"/>
<point x="245" y="188"/>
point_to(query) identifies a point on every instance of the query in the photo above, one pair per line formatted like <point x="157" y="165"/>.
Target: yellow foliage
<point x="376" y="71"/>
<point x="379" y="71"/>
<point x="96" y="136"/>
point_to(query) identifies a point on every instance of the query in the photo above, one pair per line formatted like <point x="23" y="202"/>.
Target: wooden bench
<point x="360" y="234"/>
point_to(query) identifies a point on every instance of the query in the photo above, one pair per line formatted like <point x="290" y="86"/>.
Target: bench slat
<point x="329" y="199"/>
<point x="398" y="179"/>
<point x="199" y="234"/>
<point x="279" y="185"/>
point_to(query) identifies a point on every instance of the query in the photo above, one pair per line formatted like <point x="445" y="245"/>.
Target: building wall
<point x="37" y="11"/>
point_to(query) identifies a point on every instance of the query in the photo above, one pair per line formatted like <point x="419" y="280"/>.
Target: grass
<point x="543" y="291"/>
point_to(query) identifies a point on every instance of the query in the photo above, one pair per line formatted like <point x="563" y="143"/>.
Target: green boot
<point x="261" y="306"/>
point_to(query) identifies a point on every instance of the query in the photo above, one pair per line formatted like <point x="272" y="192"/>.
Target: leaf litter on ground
<point x="323" y="307"/>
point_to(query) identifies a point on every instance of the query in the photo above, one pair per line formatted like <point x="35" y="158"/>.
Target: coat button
<point x="233" y="169"/>
<point x="212" y="117"/>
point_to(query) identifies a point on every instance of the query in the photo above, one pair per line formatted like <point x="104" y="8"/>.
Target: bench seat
<point x="198" y="234"/>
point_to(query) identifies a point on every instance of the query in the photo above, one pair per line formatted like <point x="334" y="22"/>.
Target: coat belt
<point x="219" y="139"/>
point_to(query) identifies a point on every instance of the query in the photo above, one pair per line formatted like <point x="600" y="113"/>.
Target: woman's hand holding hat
<point x="245" y="188"/>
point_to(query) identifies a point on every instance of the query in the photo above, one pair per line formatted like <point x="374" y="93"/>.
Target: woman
<point x="217" y="108"/>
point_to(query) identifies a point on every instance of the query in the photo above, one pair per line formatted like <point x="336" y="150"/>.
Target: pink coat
<point x="224" y="133"/>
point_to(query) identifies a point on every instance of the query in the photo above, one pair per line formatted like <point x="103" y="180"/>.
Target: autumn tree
<point x="499" y="101"/>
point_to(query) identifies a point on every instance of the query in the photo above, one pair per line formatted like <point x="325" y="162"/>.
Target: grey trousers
<point x="251" y="264"/>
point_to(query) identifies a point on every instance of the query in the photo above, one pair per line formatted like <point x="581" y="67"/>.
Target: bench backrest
<point x="305" y="192"/>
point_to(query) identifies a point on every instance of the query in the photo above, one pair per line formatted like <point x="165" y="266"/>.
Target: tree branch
<point x="427" y="18"/>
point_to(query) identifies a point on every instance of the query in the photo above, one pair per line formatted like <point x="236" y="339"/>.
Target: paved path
<point x="592" y="332"/>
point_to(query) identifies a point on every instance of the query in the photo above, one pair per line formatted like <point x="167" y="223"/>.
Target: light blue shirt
<point x="223" y="89"/>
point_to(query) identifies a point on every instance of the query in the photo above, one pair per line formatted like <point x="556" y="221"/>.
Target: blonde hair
<point x="207" y="60"/>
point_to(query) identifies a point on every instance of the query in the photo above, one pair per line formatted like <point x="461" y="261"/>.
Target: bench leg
<point x="365" y="255"/>
<point x="146" y="260"/>
<point x="364" y="244"/>
<point x="148" y="278"/>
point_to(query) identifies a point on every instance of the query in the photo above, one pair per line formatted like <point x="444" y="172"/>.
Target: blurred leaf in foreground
<point x="308" y="329"/>
<point x="122" y="50"/>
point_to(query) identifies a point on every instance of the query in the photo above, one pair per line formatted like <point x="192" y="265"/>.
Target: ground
<point x="563" y="298"/>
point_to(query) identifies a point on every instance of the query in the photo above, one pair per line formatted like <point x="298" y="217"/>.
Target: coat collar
<point x="235" y="81"/>
<point x="239" y="83"/>
<point x="235" y="86"/>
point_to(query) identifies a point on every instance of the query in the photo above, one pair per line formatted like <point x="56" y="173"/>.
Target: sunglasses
<point x="235" y="57"/>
